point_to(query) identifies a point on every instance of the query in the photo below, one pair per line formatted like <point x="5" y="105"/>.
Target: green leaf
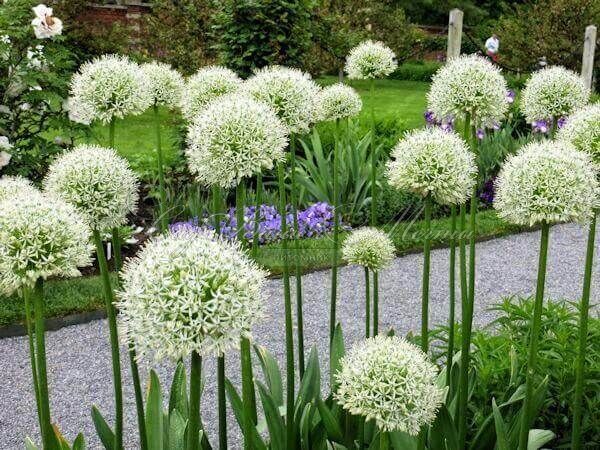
<point x="403" y="441"/>
<point x="271" y="372"/>
<point x="501" y="436"/>
<point x="337" y="353"/>
<point x="79" y="442"/>
<point x="29" y="445"/>
<point x="105" y="433"/>
<point x="154" y="414"/>
<point x="310" y="386"/>
<point x="238" y="412"/>
<point x="273" y="417"/>
<point x="334" y="431"/>
<point x="178" y="396"/>
<point x="177" y="429"/>
<point x="539" y="438"/>
<point x="447" y="428"/>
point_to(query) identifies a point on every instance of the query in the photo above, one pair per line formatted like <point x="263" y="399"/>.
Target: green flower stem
<point x="162" y="204"/>
<point x="31" y="336"/>
<point x="116" y="244"/>
<point x="297" y="265"/>
<point x="193" y="441"/>
<point x="384" y="441"/>
<point x="216" y="205"/>
<point x="139" y="399"/>
<point x="240" y="200"/>
<point x="114" y="339"/>
<point x="367" y="303"/>
<point x="463" y="382"/>
<point x="425" y="280"/>
<point x="255" y="231"/>
<point x="375" y="303"/>
<point x="554" y="127"/>
<point x="373" y="156"/>
<point x="451" y="284"/>
<point x="289" y="336"/>
<point x="111" y="133"/>
<point x="536" y="324"/>
<point x="336" y="233"/>
<point x="584" y="309"/>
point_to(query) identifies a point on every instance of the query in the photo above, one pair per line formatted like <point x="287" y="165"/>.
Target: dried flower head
<point x="390" y="381"/>
<point x="165" y="84"/>
<point x="370" y="59"/>
<point x="469" y="85"/>
<point x="433" y="162"/>
<point x="546" y="181"/>
<point x="98" y="182"/>
<point x="234" y="137"/>
<point x="338" y="101"/>
<point x="290" y="92"/>
<point x="368" y="247"/>
<point x="189" y="291"/>
<point x="552" y="93"/>
<point x="206" y="85"/>
<point x="582" y="130"/>
<point x="14" y="186"/>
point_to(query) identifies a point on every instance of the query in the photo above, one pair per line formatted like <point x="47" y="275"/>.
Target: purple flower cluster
<point x="313" y="221"/>
<point x="543" y="126"/>
<point x="510" y="96"/>
<point x="488" y="191"/>
<point x="446" y="124"/>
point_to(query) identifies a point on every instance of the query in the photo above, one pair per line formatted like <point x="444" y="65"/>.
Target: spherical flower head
<point x="547" y="181"/>
<point x="338" y="101"/>
<point x="390" y="381"/>
<point x="98" y="182"/>
<point x="206" y="85"/>
<point x="433" y="162"/>
<point x="369" y="60"/>
<point x="14" y="186"/>
<point x="290" y="92"/>
<point x="368" y="247"/>
<point x="469" y="85"/>
<point x="40" y="237"/>
<point x="582" y="130"/>
<point x="189" y="291"/>
<point x="165" y="84"/>
<point x="234" y="137"/>
<point x="110" y="87"/>
<point x="552" y="93"/>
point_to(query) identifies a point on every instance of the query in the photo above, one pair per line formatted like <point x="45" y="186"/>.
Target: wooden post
<point x="587" y="63"/>
<point x="455" y="24"/>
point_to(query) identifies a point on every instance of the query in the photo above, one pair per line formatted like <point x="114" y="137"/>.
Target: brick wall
<point x="127" y="14"/>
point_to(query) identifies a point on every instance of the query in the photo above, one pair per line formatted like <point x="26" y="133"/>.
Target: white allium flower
<point x="583" y="131"/>
<point x="79" y="112"/>
<point x="14" y="186"/>
<point x="189" y="291"/>
<point x="165" y="84"/>
<point x="469" y="85"/>
<point x="433" y="162"/>
<point x="234" y="137"/>
<point x="370" y="59"/>
<point x="206" y="85"/>
<point x="98" y="182"/>
<point x="40" y="237"/>
<point x="110" y="86"/>
<point x="45" y="25"/>
<point x="338" y="101"/>
<point x="390" y="381"/>
<point x="368" y="247"/>
<point x="553" y="93"/>
<point x="290" y="92"/>
<point x="546" y="181"/>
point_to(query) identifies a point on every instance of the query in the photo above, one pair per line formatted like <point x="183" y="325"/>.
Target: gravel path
<point x="79" y="356"/>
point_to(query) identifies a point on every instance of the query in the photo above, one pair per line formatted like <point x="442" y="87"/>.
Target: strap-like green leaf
<point x="402" y="441"/>
<point x="338" y="351"/>
<point x="238" y="412"/>
<point x="178" y="396"/>
<point x="105" y="433"/>
<point x="334" y="431"/>
<point x="310" y="386"/>
<point x="79" y="442"/>
<point x="538" y="438"/>
<point x="177" y="430"/>
<point x="271" y="372"/>
<point x="154" y="414"/>
<point x="273" y="417"/>
<point x="501" y="436"/>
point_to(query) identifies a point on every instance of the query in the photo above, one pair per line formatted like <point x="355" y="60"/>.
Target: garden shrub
<point x="416" y="70"/>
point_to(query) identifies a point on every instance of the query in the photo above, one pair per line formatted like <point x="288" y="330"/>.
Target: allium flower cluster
<point x="469" y="85"/>
<point x="582" y="130"/>
<point x="369" y="60"/>
<point x="187" y="292"/>
<point x="206" y="85"/>
<point x="546" y="181"/>
<point x="234" y="137"/>
<point x="552" y="93"/>
<point x="13" y="186"/>
<point x="165" y="84"/>
<point x="98" y="182"/>
<point x="338" y="101"/>
<point x="368" y="247"/>
<point x="290" y="92"/>
<point x="433" y="162"/>
<point x="390" y="381"/>
<point x="40" y="237"/>
<point x="110" y="87"/>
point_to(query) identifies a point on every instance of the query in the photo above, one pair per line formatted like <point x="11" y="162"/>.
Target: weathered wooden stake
<point x="455" y="25"/>
<point x="587" y="63"/>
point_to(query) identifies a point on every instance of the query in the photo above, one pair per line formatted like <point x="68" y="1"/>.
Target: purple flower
<point x="510" y="96"/>
<point x="496" y="126"/>
<point x="480" y="133"/>
<point x="487" y="191"/>
<point x="561" y="122"/>
<point x="429" y="117"/>
<point x="540" y="126"/>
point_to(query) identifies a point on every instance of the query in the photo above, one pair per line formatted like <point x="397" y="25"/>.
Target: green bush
<point x="416" y="70"/>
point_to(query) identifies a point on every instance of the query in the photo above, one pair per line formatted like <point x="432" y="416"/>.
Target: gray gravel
<point x="79" y="356"/>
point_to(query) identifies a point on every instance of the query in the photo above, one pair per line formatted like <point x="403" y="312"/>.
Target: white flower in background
<point x="290" y="92"/>
<point x="45" y="25"/>
<point x="40" y="237"/>
<point x="4" y="159"/>
<point x="433" y="162"/>
<point x="390" y="381"/>
<point x="553" y="93"/>
<point x="110" y="87"/>
<point x="234" y="137"/>
<point x="36" y="58"/>
<point x="582" y="129"/>
<point x="206" y="85"/>
<point x="469" y="85"/>
<point x="369" y="60"/>
<point x="165" y="84"/>
<point x="13" y="186"/>
<point x="368" y="247"/>
<point x="547" y="181"/>
<point x="4" y="143"/>
<point x="5" y="39"/>
<point x="187" y="292"/>
<point x="98" y="182"/>
<point x="338" y="101"/>
<point x="4" y="155"/>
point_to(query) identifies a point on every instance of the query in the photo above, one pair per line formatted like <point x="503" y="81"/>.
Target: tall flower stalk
<point x="452" y="295"/>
